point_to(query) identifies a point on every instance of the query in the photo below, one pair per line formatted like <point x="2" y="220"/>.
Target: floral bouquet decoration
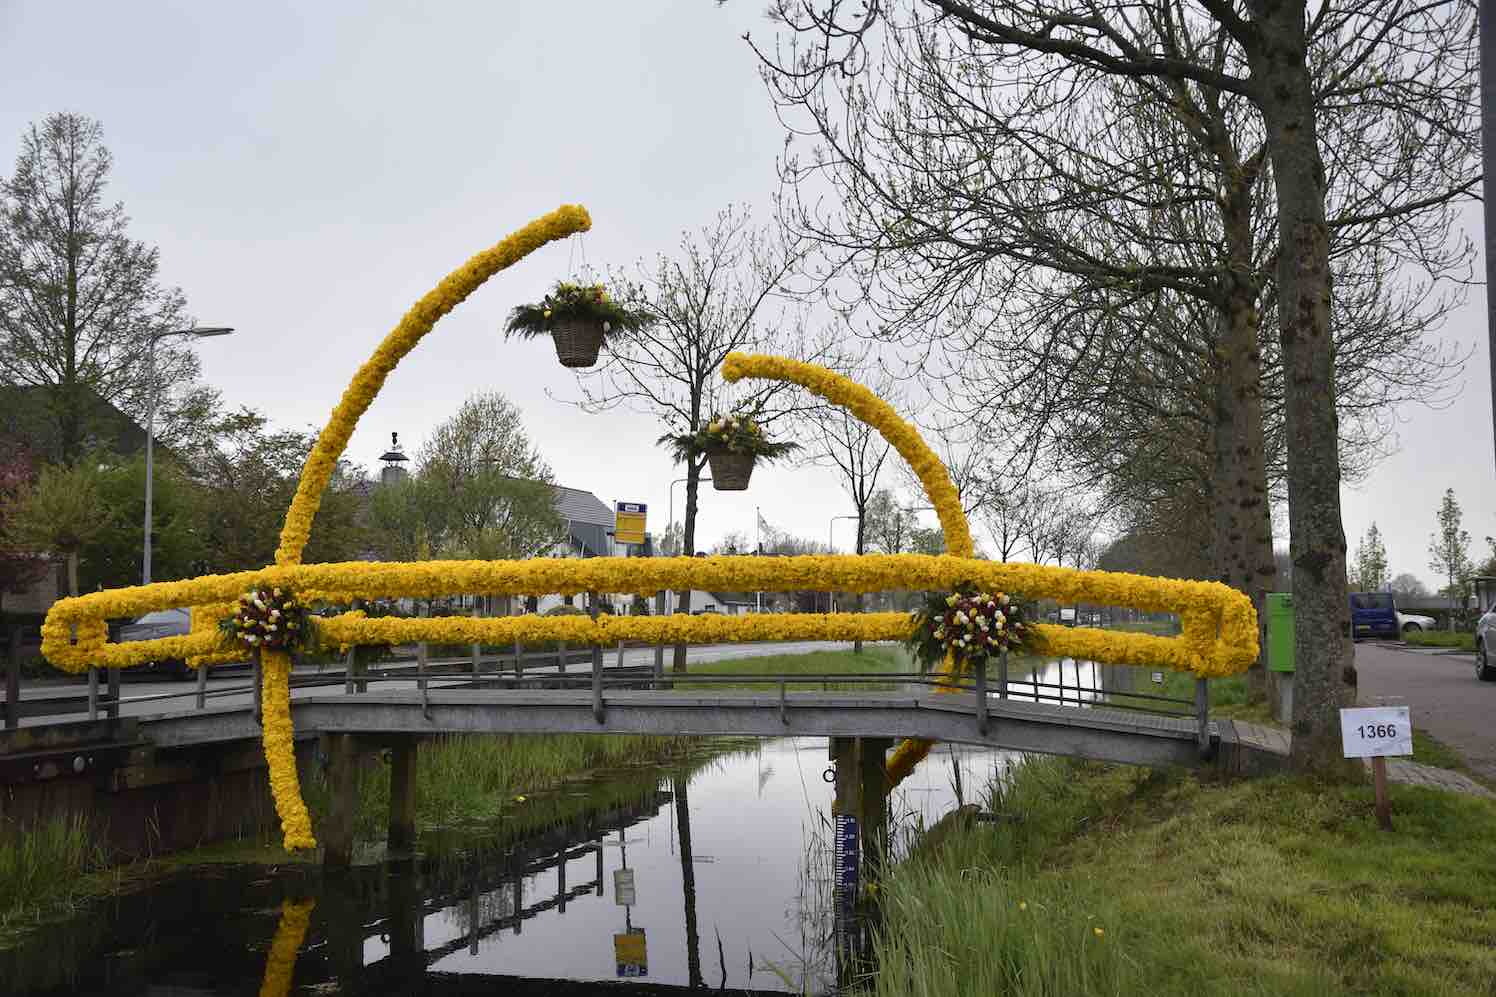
<point x="967" y="626"/>
<point x="270" y="619"/>
<point x="732" y="443"/>
<point x="577" y="317"/>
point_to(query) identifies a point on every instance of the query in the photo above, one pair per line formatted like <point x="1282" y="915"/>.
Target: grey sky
<point x="309" y="170"/>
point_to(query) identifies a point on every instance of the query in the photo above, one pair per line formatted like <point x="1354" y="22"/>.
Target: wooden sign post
<point x="1375" y="732"/>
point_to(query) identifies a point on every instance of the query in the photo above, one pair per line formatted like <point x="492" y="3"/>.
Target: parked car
<point x="161" y="623"/>
<point x="1485" y="633"/>
<point x="1373" y="614"/>
<point x="1412" y="622"/>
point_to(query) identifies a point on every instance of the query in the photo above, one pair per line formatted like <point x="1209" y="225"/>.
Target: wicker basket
<point x="730" y="471"/>
<point x="577" y="341"/>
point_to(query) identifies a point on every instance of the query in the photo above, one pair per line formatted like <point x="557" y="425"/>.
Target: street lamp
<point x="201" y="332"/>
<point x="831" y="549"/>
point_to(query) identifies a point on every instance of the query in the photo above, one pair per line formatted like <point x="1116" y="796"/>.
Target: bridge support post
<point x="402" y="825"/>
<point x="341" y="753"/>
<point x="862" y="791"/>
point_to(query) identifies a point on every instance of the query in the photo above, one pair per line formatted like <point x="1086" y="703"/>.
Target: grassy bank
<point x="874" y="658"/>
<point x="42" y="868"/>
<point x="1120" y="881"/>
<point x="1440" y="638"/>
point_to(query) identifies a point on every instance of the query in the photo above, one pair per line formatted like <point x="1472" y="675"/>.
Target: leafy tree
<point x="889" y="524"/>
<point x="1449" y="552"/>
<point x="79" y="299"/>
<point x="1371" y="561"/>
<point x="1408" y="584"/>
<point x="62" y="512"/>
<point x="403" y="521"/>
<point x="19" y="568"/>
<point x="484" y="488"/>
<point x="246" y="478"/>
<point x="112" y="558"/>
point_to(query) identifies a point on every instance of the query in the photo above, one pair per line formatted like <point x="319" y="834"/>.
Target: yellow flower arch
<point x="1219" y="626"/>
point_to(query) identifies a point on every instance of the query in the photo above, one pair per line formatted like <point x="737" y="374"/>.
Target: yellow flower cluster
<point x="280" y="961"/>
<point x="880" y="415"/>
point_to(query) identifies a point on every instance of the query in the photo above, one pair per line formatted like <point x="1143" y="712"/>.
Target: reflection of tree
<point x="280" y="961"/>
<point x="687" y="877"/>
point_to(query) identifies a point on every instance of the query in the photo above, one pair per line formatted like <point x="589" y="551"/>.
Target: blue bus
<point x="1373" y="614"/>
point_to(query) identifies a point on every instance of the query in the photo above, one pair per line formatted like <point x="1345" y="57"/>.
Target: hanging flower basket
<point x="577" y="341"/>
<point x="732" y="444"/>
<point x="730" y="471"/>
<point x="578" y="318"/>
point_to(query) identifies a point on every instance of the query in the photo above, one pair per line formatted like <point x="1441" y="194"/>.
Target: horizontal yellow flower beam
<point x="1219" y="638"/>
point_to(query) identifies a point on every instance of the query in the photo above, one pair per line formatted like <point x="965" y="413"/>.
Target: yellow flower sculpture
<point x="1219" y="627"/>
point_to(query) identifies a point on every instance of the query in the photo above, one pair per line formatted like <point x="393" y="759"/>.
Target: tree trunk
<point x="861" y="548"/>
<point x="73" y="573"/>
<point x="1325" y="677"/>
<point x="688" y="547"/>
<point x="1243" y="523"/>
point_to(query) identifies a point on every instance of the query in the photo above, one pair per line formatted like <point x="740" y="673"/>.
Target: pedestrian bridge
<point x="1066" y="708"/>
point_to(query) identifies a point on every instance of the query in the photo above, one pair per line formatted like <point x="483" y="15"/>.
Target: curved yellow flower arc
<point x="875" y="412"/>
<point x="280" y="753"/>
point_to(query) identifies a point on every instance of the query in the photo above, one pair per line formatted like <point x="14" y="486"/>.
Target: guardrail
<point x="510" y="671"/>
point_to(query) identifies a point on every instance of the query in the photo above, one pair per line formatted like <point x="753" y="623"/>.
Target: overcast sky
<point x="309" y="170"/>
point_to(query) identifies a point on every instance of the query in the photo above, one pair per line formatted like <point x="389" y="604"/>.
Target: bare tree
<point x="1449" y="553"/>
<point x="1287" y="74"/>
<point x="726" y="290"/>
<point x="79" y="299"/>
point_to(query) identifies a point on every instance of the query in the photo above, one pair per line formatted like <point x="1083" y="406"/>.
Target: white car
<point x="1410" y="623"/>
<point x="1485" y="633"/>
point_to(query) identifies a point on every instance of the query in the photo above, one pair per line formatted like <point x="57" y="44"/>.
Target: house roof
<point x="588" y="520"/>
<point x="26" y="416"/>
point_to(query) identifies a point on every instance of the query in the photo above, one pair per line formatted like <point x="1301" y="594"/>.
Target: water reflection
<point x="732" y="885"/>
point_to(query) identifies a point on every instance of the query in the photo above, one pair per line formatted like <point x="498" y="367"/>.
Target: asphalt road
<point x="1443" y="693"/>
<point x="142" y="695"/>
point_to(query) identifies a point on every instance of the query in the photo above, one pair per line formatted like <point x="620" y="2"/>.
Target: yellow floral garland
<point x="875" y="412"/>
<point x="1220" y="631"/>
<point x="280" y="961"/>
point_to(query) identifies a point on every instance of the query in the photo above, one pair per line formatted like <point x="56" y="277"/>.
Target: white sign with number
<point x="1376" y="730"/>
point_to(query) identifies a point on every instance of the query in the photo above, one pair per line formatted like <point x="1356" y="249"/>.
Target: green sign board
<point x="1280" y="631"/>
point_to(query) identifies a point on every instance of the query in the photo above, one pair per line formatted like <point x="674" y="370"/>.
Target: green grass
<point x="1440" y="638"/>
<point x="1271" y="886"/>
<point x="874" y="658"/>
<point x="41" y="867"/>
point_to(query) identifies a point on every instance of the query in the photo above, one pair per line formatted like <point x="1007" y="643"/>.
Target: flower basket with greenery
<point x="968" y="625"/>
<point x="732" y="443"/>
<point x="577" y="317"/>
<point x="270" y="619"/>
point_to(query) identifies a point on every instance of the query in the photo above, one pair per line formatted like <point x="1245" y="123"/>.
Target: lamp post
<point x="831" y="549"/>
<point x="202" y="332"/>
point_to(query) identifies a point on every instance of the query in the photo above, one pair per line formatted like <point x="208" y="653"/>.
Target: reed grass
<point x="1269" y="886"/>
<point x="41" y="866"/>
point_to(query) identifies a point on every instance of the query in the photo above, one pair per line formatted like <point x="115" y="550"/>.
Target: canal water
<point x="714" y="873"/>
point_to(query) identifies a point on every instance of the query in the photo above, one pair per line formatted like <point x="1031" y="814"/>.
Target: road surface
<point x="1445" y="698"/>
